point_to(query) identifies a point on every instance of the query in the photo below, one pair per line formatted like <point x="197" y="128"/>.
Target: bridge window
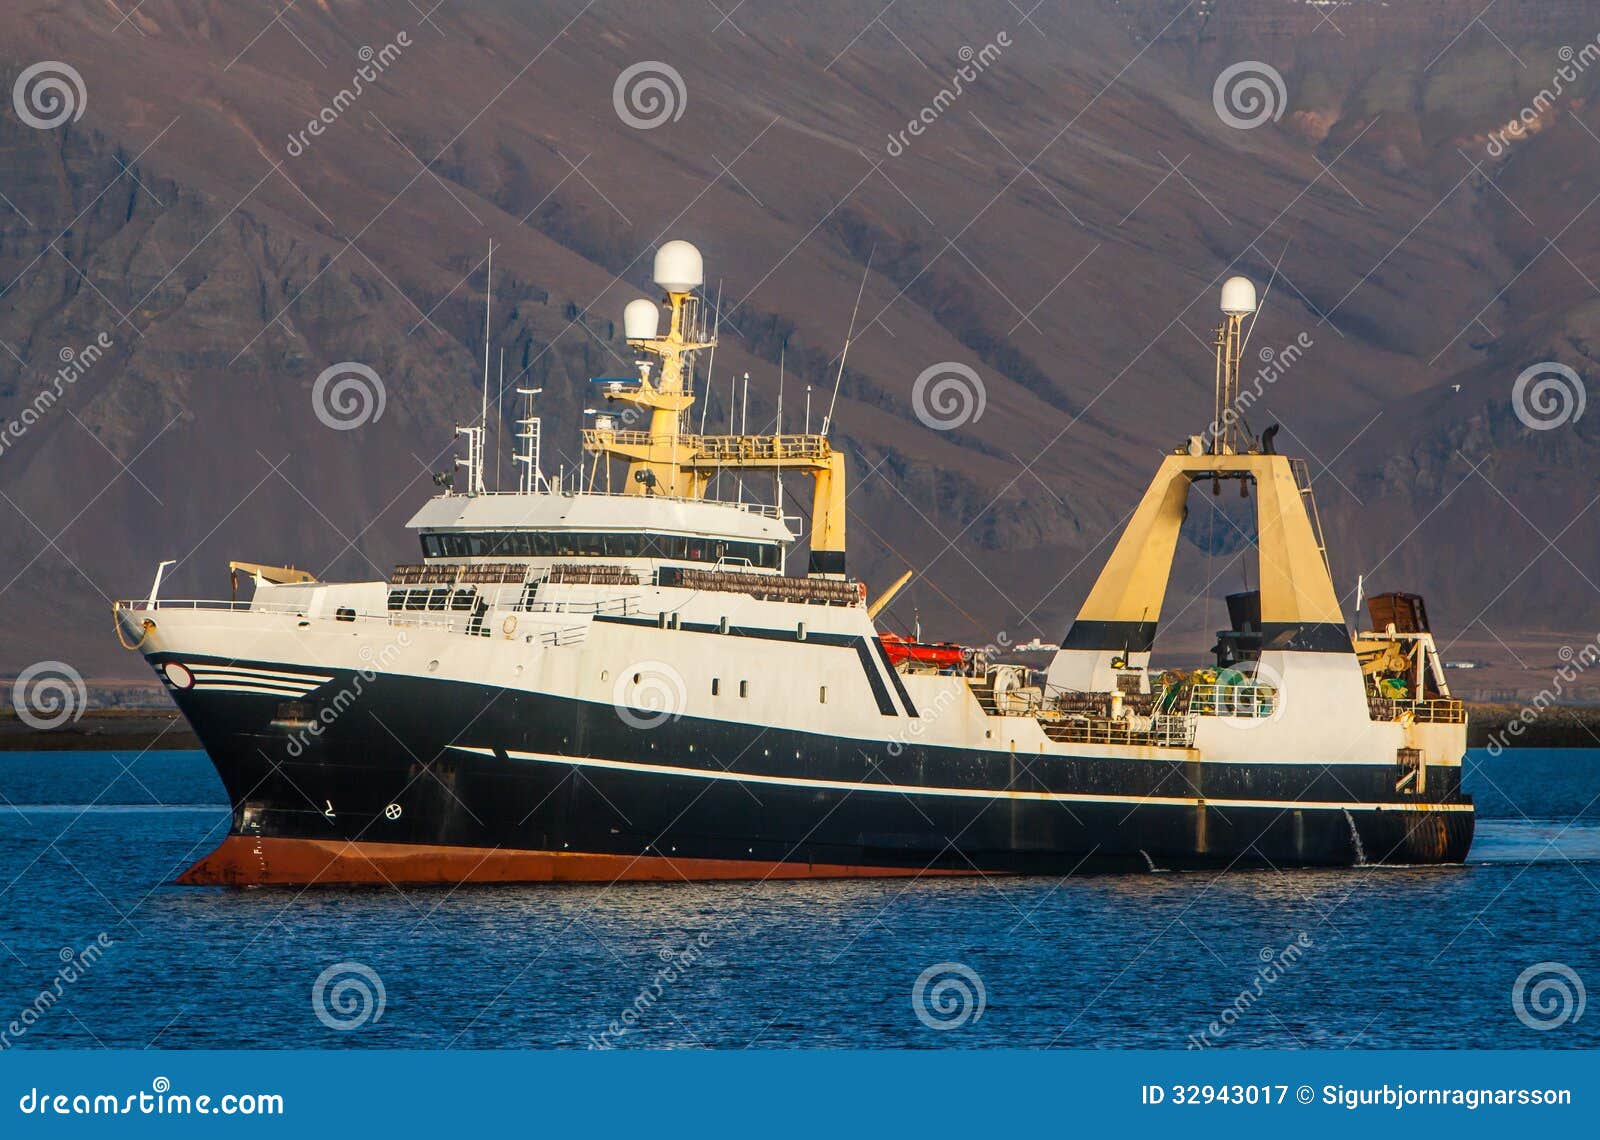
<point x="597" y="544"/>
<point x="436" y="599"/>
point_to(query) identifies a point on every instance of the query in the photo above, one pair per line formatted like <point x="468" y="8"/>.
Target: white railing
<point x="1173" y="730"/>
<point x="1164" y="731"/>
<point x="413" y="618"/>
<point x="571" y="635"/>
<point x="1258" y="701"/>
<point x="767" y="509"/>
<point x="460" y="621"/>
<point x="617" y="607"/>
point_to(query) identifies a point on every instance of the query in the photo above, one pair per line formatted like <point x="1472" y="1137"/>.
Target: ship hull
<point x="420" y="780"/>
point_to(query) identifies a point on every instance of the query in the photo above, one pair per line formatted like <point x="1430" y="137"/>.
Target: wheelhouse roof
<point x="595" y="512"/>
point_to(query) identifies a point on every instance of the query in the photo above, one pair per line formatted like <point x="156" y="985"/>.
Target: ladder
<point x="1302" y="480"/>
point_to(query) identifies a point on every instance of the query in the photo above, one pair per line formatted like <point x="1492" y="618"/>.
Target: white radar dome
<point x="1238" y="296"/>
<point x="679" y="268"/>
<point x="641" y="319"/>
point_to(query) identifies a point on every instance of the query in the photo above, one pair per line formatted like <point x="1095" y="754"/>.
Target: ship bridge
<point x="598" y="525"/>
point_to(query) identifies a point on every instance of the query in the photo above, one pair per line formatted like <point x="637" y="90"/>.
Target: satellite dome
<point x="641" y="319"/>
<point x="1238" y="296"/>
<point x="679" y="268"/>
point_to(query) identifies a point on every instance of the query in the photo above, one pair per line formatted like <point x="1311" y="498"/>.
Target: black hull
<point x="432" y="772"/>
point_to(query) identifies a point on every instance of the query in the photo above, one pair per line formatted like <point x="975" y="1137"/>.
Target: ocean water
<point x="1367" y="958"/>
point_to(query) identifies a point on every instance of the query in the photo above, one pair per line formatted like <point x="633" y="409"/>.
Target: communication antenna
<point x="1265" y="293"/>
<point x="476" y="436"/>
<point x="777" y="430"/>
<point x="744" y="428"/>
<point x="827" y="420"/>
<point x="711" y="364"/>
<point x="499" y="416"/>
<point x="1238" y="302"/>
<point x="488" y="298"/>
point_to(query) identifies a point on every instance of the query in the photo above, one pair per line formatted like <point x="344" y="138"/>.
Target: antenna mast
<point x="532" y="479"/>
<point x="476" y="436"/>
<point x="1238" y="302"/>
<point x="827" y="420"/>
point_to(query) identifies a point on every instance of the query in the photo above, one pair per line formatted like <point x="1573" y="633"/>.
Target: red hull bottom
<point x="244" y="861"/>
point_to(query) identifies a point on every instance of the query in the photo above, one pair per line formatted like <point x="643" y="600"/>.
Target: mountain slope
<point x="1060" y="227"/>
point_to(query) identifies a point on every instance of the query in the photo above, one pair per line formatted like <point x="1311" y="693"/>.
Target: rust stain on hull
<point x="242" y="861"/>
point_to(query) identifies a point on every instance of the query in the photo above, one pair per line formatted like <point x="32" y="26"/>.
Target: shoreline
<point x="102" y="730"/>
<point x="1559" y="726"/>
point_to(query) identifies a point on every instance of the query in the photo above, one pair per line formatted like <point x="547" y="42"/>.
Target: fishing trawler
<point x="588" y="681"/>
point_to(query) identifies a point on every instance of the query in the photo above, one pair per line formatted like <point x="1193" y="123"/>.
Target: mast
<point x="667" y="461"/>
<point x="1238" y="302"/>
<point x="477" y="435"/>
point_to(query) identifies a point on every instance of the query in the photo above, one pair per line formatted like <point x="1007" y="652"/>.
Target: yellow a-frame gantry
<point x="1116" y="626"/>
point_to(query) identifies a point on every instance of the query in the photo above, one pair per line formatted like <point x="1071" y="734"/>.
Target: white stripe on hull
<point x="248" y="679"/>
<point x="242" y="671"/>
<point x="964" y="793"/>
<point x="242" y="687"/>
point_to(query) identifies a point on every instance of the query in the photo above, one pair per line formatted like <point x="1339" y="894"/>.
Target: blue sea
<point x="1491" y="955"/>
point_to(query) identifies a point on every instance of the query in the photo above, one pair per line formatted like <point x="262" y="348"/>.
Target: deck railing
<point x="1166" y="731"/>
<point x="1256" y="701"/>
<point x="1440" y="710"/>
<point x="463" y="621"/>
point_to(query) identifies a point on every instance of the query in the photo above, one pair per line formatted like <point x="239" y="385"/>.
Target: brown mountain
<point x="1060" y="225"/>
